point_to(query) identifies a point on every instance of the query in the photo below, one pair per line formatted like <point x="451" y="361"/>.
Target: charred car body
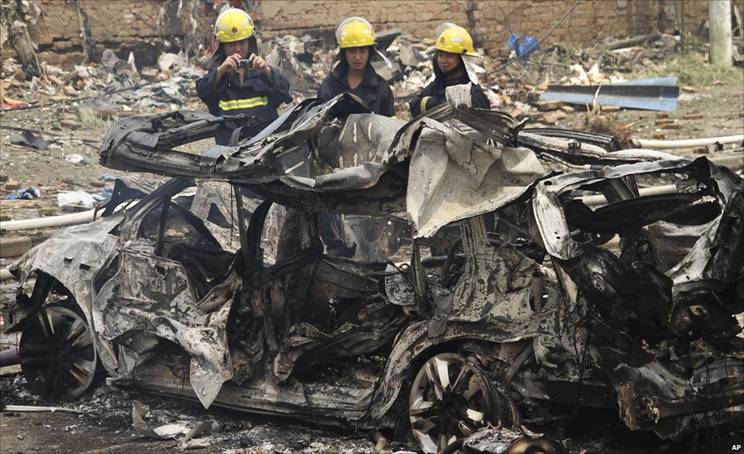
<point x="533" y="308"/>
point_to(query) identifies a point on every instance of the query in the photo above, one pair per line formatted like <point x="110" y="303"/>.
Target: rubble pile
<point x="115" y="84"/>
<point x="109" y="87"/>
<point x="516" y="84"/>
<point x="512" y="84"/>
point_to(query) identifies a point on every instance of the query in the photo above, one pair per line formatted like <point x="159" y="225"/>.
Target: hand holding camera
<point x="256" y="63"/>
<point x="252" y="66"/>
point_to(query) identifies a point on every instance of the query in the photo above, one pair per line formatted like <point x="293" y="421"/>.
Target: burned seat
<point x="181" y="236"/>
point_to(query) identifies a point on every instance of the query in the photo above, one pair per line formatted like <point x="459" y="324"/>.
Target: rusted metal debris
<point x="649" y="94"/>
<point x="521" y="304"/>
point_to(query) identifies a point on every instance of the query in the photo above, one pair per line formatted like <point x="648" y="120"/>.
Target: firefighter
<point x="452" y="66"/>
<point x="352" y="69"/>
<point x="239" y="81"/>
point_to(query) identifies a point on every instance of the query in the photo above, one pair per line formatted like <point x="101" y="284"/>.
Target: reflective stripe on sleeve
<point x="424" y="102"/>
<point x="249" y="103"/>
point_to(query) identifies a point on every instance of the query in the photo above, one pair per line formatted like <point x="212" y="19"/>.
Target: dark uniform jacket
<point x="257" y="96"/>
<point x="434" y="93"/>
<point x="374" y="90"/>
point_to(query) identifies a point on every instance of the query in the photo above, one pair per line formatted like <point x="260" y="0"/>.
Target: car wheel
<point x="451" y="398"/>
<point x="58" y="357"/>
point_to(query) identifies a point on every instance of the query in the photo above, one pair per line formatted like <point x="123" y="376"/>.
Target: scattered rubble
<point x="75" y="199"/>
<point x="28" y="138"/>
<point x="117" y="86"/>
<point x="22" y="193"/>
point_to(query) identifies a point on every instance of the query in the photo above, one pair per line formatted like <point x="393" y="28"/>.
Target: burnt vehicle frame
<point x="528" y="311"/>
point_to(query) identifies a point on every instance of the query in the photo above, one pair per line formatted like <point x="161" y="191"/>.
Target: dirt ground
<point x="105" y="427"/>
<point x="105" y="424"/>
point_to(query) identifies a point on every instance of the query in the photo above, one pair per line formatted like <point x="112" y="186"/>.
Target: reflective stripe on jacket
<point x="258" y="96"/>
<point x="248" y="103"/>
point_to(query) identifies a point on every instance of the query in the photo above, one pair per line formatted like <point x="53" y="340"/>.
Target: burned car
<point x="579" y="275"/>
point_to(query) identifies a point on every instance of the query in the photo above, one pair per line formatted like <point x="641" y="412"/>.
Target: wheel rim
<point x="450" y="399"/>
<point x="58" y="357"/>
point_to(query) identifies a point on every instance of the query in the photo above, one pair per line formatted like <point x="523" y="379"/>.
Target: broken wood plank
<point x="21" y="41"/>
<point x="15" y="369"/>
<point x="632" y="41"/>
<point x="548" y="105"/>
<point x="14" y="247"/>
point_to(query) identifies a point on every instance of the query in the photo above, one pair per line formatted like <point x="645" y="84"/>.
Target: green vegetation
<point x="91" y="119"/>
<point x="692" y="68"/>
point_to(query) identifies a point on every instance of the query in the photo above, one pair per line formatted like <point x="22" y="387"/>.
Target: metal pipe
<point x="35" y="408"/>
<point x="537" y="287"/>
<point x="10" y="356"/>
<point x="686" y="143"/>
<point x="50" y="221"/>
<point x="57" y="221"/>
<point x="161" y="230"/>
<point x="593" y="200"/>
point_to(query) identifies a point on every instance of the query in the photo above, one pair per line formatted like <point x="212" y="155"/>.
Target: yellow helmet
<point x="355" y="32"/>
<point x="454" y="39"/>
<point x="233" y="25"/>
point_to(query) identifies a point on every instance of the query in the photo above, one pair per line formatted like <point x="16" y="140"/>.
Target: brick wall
<point x="119" y="24"/>
<point x="589" y="22"/>
<point x="490" y="21"/>
<point x="417" y="17"/>
<point x="133" y="24"/>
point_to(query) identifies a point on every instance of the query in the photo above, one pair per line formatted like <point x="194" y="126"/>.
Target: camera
<point x="246" y="62"/>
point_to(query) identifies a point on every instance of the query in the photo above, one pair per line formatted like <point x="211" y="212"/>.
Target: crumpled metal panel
<point x="453" y="176"/>
<point x="695" y="266"/>
<point x="152" y="295"/>
<point x="496" y="282"/>
<point x="315" y="402"/>
<point x="455" y="172"/>
<point x="415" y="340"/>
<point x="375" y="325"/>
<point x="319" y="151"/>
<point x="550" y="217"/>
<point x="351" y="155"/>
<point x="72" y="256"/>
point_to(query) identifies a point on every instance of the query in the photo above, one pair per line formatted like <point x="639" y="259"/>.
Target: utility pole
<point x="721" y="47"/>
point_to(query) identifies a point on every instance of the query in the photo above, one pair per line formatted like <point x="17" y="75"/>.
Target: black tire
<point x="57" y="352"/>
